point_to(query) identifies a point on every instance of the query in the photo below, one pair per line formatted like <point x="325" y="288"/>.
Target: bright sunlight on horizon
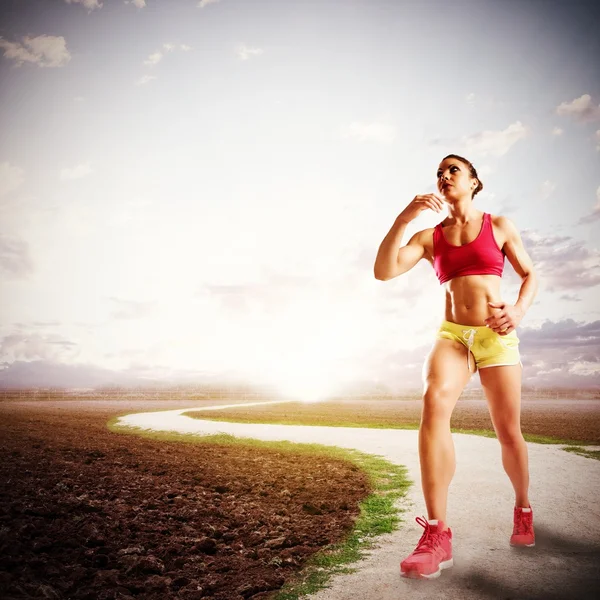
<point x="196" y="191"/>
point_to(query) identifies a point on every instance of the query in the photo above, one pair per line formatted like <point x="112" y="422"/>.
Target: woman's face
<point x="454" y="180"/>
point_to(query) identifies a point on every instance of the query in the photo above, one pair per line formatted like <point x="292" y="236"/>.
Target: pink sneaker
<point x="432" y="554"/>
<point x="523" y="528"/>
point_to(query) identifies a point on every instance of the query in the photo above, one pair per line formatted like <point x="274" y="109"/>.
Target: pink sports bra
<point x="482" y="256"/>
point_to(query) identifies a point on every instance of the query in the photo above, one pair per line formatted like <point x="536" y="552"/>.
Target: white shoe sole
<point x="446" y="564"/>
<point x="522" y="545"/>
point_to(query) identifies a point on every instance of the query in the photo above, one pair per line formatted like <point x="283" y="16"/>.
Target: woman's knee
<point x="510" y="436"/>
<point x="438" y="404"/>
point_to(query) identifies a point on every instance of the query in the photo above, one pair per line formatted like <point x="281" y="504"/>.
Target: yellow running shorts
<point x="488" y="348"/>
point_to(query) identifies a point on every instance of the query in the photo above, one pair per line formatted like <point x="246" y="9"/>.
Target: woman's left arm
<point x="509" y="316"/>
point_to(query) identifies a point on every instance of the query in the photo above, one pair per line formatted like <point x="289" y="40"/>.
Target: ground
<point x="90" y="514"/>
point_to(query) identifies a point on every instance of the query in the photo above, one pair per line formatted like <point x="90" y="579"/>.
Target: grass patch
<point x="583" y="452"/>
<point x="529" y="437"/>
<point x="379" y="512"/>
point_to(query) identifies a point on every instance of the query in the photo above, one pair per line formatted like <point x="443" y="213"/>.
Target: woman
<point x="467" y="251"/>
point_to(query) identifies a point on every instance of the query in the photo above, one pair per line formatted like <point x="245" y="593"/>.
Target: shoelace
<point x="522" y="523"/>
<point x="429" y="540"/>
<point x="469" y="337"/>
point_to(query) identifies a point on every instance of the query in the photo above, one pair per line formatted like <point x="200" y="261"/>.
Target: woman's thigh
<point x="502" y="388"/>
<point x="445" y="374"/>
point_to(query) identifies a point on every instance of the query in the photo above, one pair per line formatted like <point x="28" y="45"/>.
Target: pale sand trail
<point x="564" y="493"/>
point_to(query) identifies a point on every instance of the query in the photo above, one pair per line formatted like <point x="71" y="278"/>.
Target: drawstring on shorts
<point x="469" y="337"/>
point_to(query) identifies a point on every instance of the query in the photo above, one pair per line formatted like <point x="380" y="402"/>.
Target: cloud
<point x="15" y="258"/>
<point x="598" y="139"/>
<point x="562" y="353"/>
<point x="570" y="298"/>
<point x="10" y="178"/>
<point x="29" y="346"/>
<point x="43" y="50"/>
<point x="153" y="59"/>
<point x="572" y="339"/>
<point x="22" y="374"/>
<point x="89" y="4"/>
<point x="546" y="189"/>
<point x="75" y="172"/>
<point x="204" y="3"/>
<point x="245" y="52"/>
<point x="562" y="262"/>
<point x="145" y="79"/>
<point x="129" y="309"/>
<point x="470" y="99"/>
<point x="595" y="214"/>
<point x="488" y="142"/>
<point x="156" y="57"/>
<point x="557" y="131"/>
<point x="581" y="109"/>
<point x="137" y="3"/>
<point x="375" y="131"/>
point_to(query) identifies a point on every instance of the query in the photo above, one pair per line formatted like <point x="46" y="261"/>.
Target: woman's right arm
<point x="392" y="260"/>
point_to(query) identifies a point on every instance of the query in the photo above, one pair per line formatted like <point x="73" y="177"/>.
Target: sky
<point x="195" y="191"/>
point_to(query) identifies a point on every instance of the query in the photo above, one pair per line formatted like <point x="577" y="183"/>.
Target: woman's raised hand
<point x="420" y="203"/>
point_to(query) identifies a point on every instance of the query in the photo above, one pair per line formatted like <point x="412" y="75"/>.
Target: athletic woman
<point x="467" y="251"/>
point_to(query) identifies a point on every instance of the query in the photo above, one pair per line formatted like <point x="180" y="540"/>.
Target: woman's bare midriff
<point x="467" y="299"/>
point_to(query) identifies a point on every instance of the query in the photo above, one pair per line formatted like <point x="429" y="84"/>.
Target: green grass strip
<point x="379" y="512"/>
<point x="529" y="437"/>
<point x="584" y="452"/>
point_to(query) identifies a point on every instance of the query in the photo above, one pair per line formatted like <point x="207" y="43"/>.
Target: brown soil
<point x="90" y="514"/>
<point x="567" y="420"/>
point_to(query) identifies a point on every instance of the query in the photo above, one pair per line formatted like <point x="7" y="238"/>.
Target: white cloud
<point x="153" y="59"/>
<point x="562" y="352"/>
<point x="470" y="99"/>
<point x="581" y="109"/>
<point x="557" y="131"/>
<point x="137" y="3"/>
<point x="35" y="346"/>
<point x="546" y="189"/>
<point x="484" y="143"/>
<point x="570" y="298"/>
<point x="75" y="172"/>
<point x="157" y="56"/>
<point x="89" y="4"/>
<point x="204" y="3"/>
<point x="10" y="178"/>
<point x="15" y="258"/>
<point x="43" y="50"/>
<point x="595" y="214"/>
<point x="598" y="139"/>
<point x="145" y="79"/>
<point x="245" y="52"/>
<point x="495" y="143"/>
<point x="376" y="131"/>
<point x="562" y="262"/>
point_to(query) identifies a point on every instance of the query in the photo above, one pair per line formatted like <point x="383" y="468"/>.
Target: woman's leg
<point x="502" y="387"/>
<point x="445" y="375"/>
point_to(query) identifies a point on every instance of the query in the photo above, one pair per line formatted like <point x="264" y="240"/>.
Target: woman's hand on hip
<point x="506" y="319"/>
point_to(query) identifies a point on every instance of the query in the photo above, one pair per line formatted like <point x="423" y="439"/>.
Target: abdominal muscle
<point x="467" y="299"/>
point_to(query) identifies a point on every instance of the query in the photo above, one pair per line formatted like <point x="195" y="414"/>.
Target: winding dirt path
<point x="564" y="492"/>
